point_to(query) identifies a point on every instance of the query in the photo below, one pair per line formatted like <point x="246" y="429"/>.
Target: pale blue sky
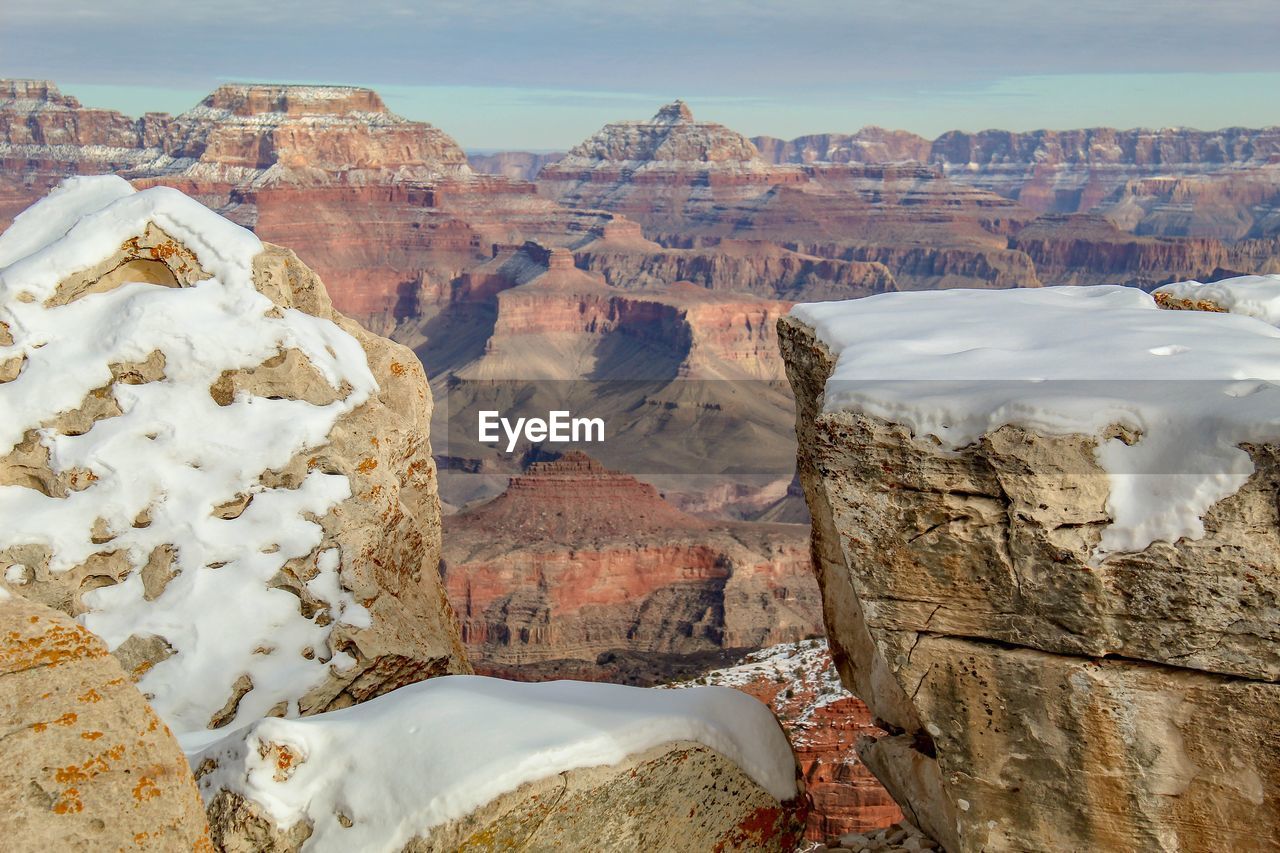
<point x="546" y="73"/>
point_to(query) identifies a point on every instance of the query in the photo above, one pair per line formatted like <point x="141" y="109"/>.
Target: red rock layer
<point x="544" y="303"/>
<point x="824" y="723"/>
<point x="574" y="561"/>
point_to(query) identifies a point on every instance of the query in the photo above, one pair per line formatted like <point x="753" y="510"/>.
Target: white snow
<point x="1070" y="360"/>
<point x="805" y="667"/>
<point x="402" y="763"/>
<point x="1251" y="295"/>
<point x="174" y="454"/>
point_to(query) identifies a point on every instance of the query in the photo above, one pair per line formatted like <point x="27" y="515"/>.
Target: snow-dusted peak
<point x="671" y="139"/>
<point x="674" y="113"/>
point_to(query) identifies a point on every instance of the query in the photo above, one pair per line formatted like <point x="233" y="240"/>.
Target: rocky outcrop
<point x="576" y="563"/>
<point x="231" y="459"/>
<point x="254" y="135"/>
<point x="1229" y="205"/>
<point x="477" y="764"/>
<point x="87" y="764"/>
<point x="1043" y="694"/>
<point x="644" y="801"/>
<point x="46" y="136"/>
<point x="824" y="723"/>
<point x="670" y="147"/>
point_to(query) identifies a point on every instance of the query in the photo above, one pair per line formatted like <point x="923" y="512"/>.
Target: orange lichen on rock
<point x="68" y="779"/>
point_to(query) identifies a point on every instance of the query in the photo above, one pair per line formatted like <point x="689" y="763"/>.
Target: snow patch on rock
<point x="1190" y="387"/>
<point x="173" y="454"/>
<point x="432" y="752"/>
<point x="1251" y="295"/>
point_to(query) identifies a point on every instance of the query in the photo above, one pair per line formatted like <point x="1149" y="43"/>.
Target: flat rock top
<point x="257" y="99"/>
<point x="1187" y="387"/>
<point x="33" y="94"/>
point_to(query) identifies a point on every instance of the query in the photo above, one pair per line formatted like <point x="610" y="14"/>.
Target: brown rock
<point x="87" y="764"/>
<point x="1042" y="701"/>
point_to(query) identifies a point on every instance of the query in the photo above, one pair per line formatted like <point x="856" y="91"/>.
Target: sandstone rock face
<point x="869" y="145"/>
<point x="1229" y="204"/>
<point x="1040" y="699"/>
<point x="574" y="564"/>
<point x="824" y="723"/>
<point x="87" y="764"/>
<point x="46" y="136"/>
<point x="230" y="457"/>
<point x="686" y="373"/>
<point x="671" y="137"/>
<point x="1071" y="171"/>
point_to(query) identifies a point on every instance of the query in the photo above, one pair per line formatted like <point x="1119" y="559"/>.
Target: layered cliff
<point x="693" y="185"/>
<point x="1045" y="547"/>
<point x="574" y="563"/>
<point x="824" y="722"/>
<point x="621" y="254"/>
<point x="254" y="135"/>
<point x="687" y="375"/>
<point x="374" y="202"/>
<point x="1090" y="249"/>
<point x="1048" y="171"/>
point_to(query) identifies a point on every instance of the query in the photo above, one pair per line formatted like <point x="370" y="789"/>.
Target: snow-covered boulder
<point x="87" y="765"/>
<point x="210" y="468"/>
<point x="465" y="762"/>
<point x="1251" y="295"/>
<point x="1048" y="544"/>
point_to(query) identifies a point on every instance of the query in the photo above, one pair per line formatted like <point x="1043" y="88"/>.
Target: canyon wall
<point x="576" y="563"/>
